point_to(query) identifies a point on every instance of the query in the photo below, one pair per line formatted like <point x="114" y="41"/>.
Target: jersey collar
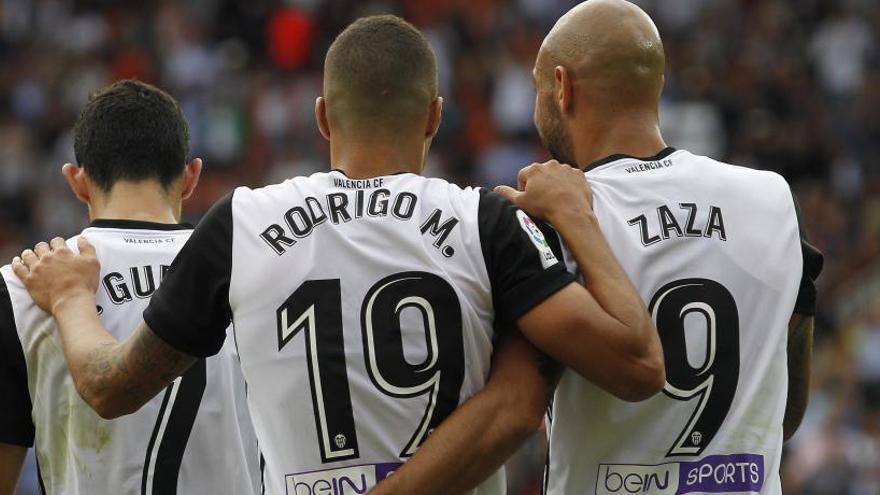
<point x="613" y="158"/>
<point x="106" y="223"/>
<point x="339" y="170"/>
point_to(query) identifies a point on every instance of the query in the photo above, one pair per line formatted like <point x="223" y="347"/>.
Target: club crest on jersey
<point x="548" y="259"/>
<point x="339" y="440"/>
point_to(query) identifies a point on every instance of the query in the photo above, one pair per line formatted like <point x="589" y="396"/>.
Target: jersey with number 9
<point x="716" y="253"/>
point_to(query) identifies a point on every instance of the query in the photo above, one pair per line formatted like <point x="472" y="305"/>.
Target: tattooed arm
<point x="114" y="378"/>
<point x="479" y="436"/>
<point x="800" y="353"/>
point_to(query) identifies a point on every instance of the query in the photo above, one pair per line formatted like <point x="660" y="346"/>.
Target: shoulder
<point x="244" y="196"/>
<point x="751" y="175"/>
<point x="9" y="281"/>
<point x="437" y="185"/>
<point x="763" y="187"/>
<point x="19" y="315"/>
<point x="14" y="294"/>
<point x="435" y="193"/>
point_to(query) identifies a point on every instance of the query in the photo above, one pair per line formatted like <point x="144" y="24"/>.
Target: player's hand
<point x="551" y="191"/>
<point x="53" y="274"/>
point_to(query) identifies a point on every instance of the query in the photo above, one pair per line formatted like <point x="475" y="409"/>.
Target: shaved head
<point x="380" y="75"/>
<point x="609" y="53"/>
<point x="609" y="45"/>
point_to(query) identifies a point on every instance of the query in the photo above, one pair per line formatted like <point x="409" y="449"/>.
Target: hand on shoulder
<point x="54" y="274"/>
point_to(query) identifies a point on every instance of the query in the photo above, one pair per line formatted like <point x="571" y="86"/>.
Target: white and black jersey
<point x="717" y="254"/>
<point x="194" y="438"/>
<point x="364" y="312"/>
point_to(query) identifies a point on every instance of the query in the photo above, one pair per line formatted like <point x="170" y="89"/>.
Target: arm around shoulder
<point x="603" y="330"/>
<point x="622" y="356"/>
<point x="476" y="440"/>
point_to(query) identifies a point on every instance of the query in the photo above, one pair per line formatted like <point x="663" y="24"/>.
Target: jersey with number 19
<point x="716" y="252"/>
<point x="364" y="312"/>
<point x="194" y="438"/>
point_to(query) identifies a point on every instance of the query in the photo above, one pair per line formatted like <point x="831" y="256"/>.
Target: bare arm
<point x="479" y="436"/>
<point x="800" y="352"/>
<point x="114" y="378"/>
<point x="605" y="334"/>
<point x="602" y="331"/>
<point x="11" y="460"/>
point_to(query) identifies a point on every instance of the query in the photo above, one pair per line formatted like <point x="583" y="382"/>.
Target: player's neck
<point x="365" y="158"/>
<point x="135" y="201"/>
<point x="638" y="137"/>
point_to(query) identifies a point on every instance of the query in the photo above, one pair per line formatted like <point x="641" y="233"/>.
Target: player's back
<point x="193" y="438"/>
<point x="715" y="252"/>
<point x="364" y="314"/>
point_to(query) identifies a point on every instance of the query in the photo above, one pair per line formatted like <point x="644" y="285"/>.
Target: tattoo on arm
<point x="135" y="370"/>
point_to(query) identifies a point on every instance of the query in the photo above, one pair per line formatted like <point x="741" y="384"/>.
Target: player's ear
<point x="76" y="179"/>
<point x="191" y="173"/>
<point x="435" y="116"/>
<point x="321" y="117"/>
<point x="563" y="89"/>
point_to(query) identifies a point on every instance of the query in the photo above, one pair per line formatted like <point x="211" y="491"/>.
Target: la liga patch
<point x="545" y="254"/>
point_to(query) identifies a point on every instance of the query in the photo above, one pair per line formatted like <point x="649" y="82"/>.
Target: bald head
<point x="611" y="49"/>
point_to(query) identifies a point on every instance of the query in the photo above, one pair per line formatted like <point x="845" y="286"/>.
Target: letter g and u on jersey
<point x="365" y="312"/>
<point x="194" y="438"/>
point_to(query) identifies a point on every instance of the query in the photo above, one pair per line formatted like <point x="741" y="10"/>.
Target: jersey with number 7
<point x="196" y="438"/>
<point x="717" y="254"/>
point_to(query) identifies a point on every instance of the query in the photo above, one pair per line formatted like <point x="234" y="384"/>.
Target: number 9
<point x="714" y="382"/>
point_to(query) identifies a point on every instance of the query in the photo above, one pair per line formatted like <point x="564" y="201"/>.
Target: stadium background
<point x="791" y="86"/>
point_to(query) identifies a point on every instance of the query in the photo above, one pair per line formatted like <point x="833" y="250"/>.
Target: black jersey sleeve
<point x="813" y="262"/>
<point x="524" y="269"/>
<point x="190" y="310"/>
<point x="16" y="425"/>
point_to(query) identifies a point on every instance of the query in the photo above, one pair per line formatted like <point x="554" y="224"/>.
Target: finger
<point x="523" y="176"/>
<point x="29" y="258"/>
<point x="19" y="268"/>
<point x="57" y="244"/>
<point x="85" y="247"/>
<point x="510" y="193"/>
<point x="42" y="249"/>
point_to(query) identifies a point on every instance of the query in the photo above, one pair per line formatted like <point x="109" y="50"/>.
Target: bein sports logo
<point x="735" y="473"/>
<point x="627" y="479"/>
<point x="353" y="480"/>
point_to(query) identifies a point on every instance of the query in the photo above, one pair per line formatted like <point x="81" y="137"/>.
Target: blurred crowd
<point x="786" y="85"/>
